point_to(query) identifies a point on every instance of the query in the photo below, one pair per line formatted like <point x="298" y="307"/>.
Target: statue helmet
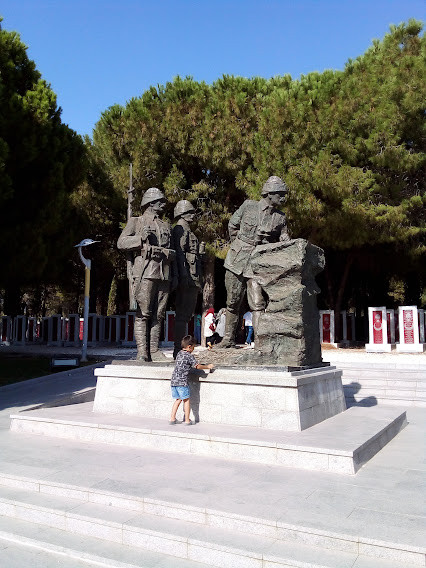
<point x="274" y="184"/>
<point x="152" y="194"/>
<point x="183" y="206"/>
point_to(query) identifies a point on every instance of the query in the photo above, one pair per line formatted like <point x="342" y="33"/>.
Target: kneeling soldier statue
<point x="149" y="238"/>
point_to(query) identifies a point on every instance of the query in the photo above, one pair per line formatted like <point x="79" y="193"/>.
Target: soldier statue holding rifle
<point x="149" y="239"/>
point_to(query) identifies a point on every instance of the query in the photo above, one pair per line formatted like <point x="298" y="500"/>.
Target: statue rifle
<point x="130" y="257"/>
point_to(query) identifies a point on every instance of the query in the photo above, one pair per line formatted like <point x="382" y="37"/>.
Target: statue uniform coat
<point x="188" y="260"/>
<point x="150" y="239"/>
<point x="254" y="223"/>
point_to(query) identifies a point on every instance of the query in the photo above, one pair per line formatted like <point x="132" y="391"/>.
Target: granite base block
<point x="263" y="397"/>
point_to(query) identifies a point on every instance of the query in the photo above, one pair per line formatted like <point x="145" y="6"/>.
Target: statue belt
<point x="246" y="240"/>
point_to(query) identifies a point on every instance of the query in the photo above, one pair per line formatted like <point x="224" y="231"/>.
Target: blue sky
<point x="97" y="53"/>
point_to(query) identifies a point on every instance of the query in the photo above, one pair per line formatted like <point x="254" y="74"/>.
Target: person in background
<point x="248" y="324"/>
<point x="209" y="327"/>
<point x="197" y="328"/>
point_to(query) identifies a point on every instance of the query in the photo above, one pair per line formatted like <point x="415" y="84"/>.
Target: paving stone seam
<point x="159" y="539"/>
<point x="66" y="551"/>
<point x="204" y="437"/>
<point x="272" y="454"/>
<point x="211" y="516"/>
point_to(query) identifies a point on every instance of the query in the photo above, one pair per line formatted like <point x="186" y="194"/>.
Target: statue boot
<point x="140" y="333"/>
<point x="154" y="341"/>
<point x="255" y="319"/>
<point x="231" y="323"/>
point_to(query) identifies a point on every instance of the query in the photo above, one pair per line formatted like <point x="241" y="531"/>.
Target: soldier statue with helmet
<point x="149" y="239"/>
<point x="254" y="223"/>
<point x="188" y="259"/>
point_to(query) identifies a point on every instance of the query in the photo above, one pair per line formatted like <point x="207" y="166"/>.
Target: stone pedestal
<point x="273" y="398"/>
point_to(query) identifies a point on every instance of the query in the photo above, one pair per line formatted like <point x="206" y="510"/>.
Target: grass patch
<point x="14" y="369"/>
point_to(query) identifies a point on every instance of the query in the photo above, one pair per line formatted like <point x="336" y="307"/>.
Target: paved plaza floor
<point x="384" y="501"/>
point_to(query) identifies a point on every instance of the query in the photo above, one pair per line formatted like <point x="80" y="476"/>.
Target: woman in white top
<point x="209" y="327"/>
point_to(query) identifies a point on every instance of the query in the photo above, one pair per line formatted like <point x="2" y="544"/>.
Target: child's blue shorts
<point x="181" y="392"/>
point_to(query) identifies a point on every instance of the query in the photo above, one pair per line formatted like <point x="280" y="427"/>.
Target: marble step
<point x="58" y="505"/>
<point x="387" y="383"/>
<point x="341" y="444"/>
<point x="29" y="545"/>
<point x="182" y="539"/>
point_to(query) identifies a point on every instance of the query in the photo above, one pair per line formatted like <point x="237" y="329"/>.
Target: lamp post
<point x="87" y="264"/>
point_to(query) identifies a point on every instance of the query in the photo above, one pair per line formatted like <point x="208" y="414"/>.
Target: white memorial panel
<point x="377" y="330"/>
<point x="409" y="341"/>
<point x="327" y="327"/>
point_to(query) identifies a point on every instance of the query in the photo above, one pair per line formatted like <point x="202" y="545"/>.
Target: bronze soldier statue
<point x="254" y="223"/>
<point x="188" y="259"/>
<point x="150" y="240"/>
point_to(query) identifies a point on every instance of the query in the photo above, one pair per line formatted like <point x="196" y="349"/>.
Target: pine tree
<point x="41" y="162"/>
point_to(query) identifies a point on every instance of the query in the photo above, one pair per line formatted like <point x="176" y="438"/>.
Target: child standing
<point x="185" y="360"/>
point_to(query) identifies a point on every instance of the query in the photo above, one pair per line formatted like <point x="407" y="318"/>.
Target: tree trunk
<point x="112" y="297"/>
<point x="208" y="291"/>
<point x="339" y="298"/>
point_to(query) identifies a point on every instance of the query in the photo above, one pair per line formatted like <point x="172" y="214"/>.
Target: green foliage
<point x="112" y="298"/>
<point x="350" y="145"/>
<point x="41" y="162"/>
<point x="397" y="291"/>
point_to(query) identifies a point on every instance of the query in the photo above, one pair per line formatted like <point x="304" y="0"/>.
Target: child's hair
<point x="187" y="340"/>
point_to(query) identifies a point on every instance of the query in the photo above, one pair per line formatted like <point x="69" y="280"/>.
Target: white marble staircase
<point x="125" y="530"/>
<point x="371" y="383"/>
